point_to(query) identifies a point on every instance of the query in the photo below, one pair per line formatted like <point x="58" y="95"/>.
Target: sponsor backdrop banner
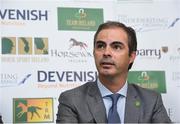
<point x="46" y="47"/>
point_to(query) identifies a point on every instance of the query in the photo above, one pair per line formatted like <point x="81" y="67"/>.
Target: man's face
<point x="111" y="52"/>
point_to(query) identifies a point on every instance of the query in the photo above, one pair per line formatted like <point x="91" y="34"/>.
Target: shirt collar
<point x="104" y="91"/>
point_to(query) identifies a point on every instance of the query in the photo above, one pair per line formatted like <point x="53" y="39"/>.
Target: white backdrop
<point x="29" y="74"/>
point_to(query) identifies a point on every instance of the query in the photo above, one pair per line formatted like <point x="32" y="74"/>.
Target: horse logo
<point x="26" y="109"/>
<point x="77" y="43"/>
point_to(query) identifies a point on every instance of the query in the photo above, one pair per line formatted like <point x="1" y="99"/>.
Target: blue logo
<point x="66" y="76"/>
<point x="24" y="14"/>
<point x="24" y="79"/>
<point x="12" y="80"/>
<point x="145" y="24"/>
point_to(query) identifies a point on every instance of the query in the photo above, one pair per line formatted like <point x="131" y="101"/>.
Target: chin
<point x="106" y="73"/>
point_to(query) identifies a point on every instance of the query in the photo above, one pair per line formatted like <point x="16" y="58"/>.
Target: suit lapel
<point x="133" y="105"/>
<point x="95" y="104"/>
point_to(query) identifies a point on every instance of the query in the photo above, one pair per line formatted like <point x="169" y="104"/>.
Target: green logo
<point x="83" y="19"/>
<point x="28" y="110"/>
<point x="41" y="45"/>
<point x="154" y="80"/>
<point x="8" y="45"/>
<point x="24" y="45"/>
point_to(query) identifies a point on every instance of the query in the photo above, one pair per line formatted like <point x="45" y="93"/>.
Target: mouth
<point x="107" y="65"/>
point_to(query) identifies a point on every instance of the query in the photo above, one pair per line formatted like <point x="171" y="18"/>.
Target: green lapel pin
<point x="137" y="103"/>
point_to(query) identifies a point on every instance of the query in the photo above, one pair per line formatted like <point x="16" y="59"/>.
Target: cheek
<point x="96" y="57"/>
<point x="122" y="59"/>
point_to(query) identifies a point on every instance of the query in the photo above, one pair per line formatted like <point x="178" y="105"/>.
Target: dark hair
<point x="132" y="41"/>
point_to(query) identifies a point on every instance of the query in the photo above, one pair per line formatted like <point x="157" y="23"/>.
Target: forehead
<point x="112" y="34"/>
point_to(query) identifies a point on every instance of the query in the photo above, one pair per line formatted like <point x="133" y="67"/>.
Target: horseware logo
<point x="25" y="109"/>
<point x="77" y="43"/>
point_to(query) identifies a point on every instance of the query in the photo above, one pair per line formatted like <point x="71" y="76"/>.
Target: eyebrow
<point x="114" y="42"/>
<point x="100" y="41"/>
<point x="117" y="42"/>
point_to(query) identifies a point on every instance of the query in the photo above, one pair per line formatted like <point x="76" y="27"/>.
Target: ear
<point x="132" y="57"/>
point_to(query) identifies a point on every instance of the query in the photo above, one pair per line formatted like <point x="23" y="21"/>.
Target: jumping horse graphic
<point x="25" y="109"/>
<point x="77" y="43"/>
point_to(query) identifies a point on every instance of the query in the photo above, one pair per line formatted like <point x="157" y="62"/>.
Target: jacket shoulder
<point x="78" y="92"/>
<point x="142" y="92"/>
<point x="81" y="88"/>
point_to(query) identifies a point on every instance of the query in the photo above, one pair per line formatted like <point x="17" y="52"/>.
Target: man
<point x="115" y="48"/>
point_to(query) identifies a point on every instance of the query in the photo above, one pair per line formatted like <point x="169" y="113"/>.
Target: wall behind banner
<point x="47" y="45"/>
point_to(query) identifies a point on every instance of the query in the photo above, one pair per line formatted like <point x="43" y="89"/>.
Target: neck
<point x="114" y="84"/>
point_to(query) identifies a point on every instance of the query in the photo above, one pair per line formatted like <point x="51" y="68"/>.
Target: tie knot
<point x="114" y="98"/>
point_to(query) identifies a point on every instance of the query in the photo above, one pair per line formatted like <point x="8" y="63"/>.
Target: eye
<point x="100" y="45"/>
<point x="116" y="46"/>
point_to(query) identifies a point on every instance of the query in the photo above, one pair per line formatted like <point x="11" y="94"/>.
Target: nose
<point x="107" y="51"/>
